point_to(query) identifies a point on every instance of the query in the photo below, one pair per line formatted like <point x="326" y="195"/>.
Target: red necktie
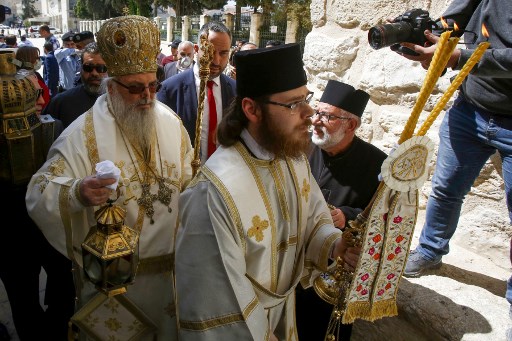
<point x="212" y="125"/>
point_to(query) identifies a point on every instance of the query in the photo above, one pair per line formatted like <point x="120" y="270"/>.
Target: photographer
<point x="477" y="125"/>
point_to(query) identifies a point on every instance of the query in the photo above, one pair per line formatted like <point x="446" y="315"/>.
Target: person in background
<point x="2" y="41"/>
<point x="180" y="92"/>
<point x="185" y="59"/>
<point x="272" y="43"/>
<point x="254" y="210"/>
<point x="28" y="58"/>
<point x="50" y="70"/>
<point x="149" y="144"/>
<point x="25" y="41"/>
<point x="478" y="124"/>
<point x="82" y="39"/>
<point x="11" y="41"/>
<point x="24" y="251"/>
<point x="230" y="70"/>
<point x="67" y="106"/>
<point x="173" y="57"/>
<point x="68" y="62"/>
<point x="44" y="32"/>
<point x="347" y="170"/>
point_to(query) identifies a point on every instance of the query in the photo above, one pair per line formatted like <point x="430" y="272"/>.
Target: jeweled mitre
<point x="129" y="44"/>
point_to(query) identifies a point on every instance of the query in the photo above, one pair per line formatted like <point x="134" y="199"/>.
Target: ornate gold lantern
<point x="110" y="251"/>
<point x="21" y="132"/>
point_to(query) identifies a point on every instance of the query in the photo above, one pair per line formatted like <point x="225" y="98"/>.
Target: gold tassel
<point x="381" y="309"/>
<point x="356" y="310"/>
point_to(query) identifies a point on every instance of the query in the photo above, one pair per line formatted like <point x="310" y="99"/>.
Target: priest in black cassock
<point x="346" y="169"/>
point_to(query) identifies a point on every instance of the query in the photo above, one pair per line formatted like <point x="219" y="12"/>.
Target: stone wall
<point x="337" y="48"/>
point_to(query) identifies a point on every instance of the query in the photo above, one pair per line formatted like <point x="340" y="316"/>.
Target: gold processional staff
<point x="204" y="74"/>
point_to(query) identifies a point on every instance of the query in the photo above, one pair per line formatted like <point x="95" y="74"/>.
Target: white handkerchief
<point x="107" y="170"/>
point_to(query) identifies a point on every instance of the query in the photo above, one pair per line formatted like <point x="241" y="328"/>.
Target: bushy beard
<point x="328" y="140"/>
<point x="137" y="124"/>
<point x="281" y="143"/>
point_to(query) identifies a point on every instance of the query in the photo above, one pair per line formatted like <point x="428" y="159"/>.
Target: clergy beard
<point x="282" y="144"/>
<point x="137" y="124"/>
<point x="328" y="140"/>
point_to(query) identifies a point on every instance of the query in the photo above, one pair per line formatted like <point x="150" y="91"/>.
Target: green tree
<point x="29" y="11"/>
<point x="212" y="4"/>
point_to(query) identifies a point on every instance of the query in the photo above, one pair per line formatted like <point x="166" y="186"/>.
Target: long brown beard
<point x="137" y="124"/>
<point x="280" y="143"/>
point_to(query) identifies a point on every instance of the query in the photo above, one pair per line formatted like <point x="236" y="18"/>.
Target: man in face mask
<point x="67" y="106"/>
<point x="184" y="62"/>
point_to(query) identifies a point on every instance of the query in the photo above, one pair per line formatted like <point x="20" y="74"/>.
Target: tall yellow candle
<point x="444" y="49"/>
<point x="473" y="59"/>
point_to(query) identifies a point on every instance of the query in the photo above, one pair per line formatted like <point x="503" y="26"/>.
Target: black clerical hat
<point x="345" y="97"/>
<point x="268" y="71"/>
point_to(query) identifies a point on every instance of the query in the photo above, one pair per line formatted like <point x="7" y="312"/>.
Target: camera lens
<point x="386" y="35"/>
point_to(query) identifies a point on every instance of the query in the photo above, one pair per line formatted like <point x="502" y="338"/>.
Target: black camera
<point x="408" y="27"/>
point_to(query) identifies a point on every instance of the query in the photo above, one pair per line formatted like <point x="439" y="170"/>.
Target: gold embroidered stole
<point x="389" y="231"/>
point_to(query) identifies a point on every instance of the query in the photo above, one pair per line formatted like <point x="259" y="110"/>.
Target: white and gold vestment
<point x="251" y="229"/>
<point x="53" y="204"/>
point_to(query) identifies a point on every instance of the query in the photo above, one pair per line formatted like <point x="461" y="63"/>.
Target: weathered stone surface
<point x="465" y="299"/>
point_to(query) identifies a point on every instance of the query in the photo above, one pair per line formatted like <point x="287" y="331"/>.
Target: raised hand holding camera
<point x="408" y="27"/>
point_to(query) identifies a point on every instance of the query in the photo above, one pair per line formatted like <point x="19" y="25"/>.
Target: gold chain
<point x="147" y="199"/>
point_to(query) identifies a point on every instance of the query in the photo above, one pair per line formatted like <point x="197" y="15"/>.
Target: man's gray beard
<point x="137" y="124"/>
<point x="328" y="140"/>
<point x="92" y="89"/>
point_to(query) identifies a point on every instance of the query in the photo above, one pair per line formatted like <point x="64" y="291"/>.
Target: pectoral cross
<point x="165" y="193"/>
<point x="146" y="201"/>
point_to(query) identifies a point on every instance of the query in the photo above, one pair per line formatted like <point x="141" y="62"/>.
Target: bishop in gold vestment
<point x="149" y="144"/>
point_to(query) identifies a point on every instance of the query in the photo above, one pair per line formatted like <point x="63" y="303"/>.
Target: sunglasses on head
<point x="138" y="89"/>
<point x="100" y="68"/>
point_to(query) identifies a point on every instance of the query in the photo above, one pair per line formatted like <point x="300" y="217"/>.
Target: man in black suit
<point x="180" y="92"/>
<point x="70" y="104"/>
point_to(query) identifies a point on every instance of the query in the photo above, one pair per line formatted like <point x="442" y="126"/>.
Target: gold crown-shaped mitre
<point x="129" y="44"/>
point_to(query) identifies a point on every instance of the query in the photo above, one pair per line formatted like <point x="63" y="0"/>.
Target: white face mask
<point x="37" y="65"/>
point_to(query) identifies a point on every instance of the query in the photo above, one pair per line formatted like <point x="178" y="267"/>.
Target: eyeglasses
<point x="100" y="68"/>
<point x="39" y="93"/>
<point x="296" y="105"/>
<point x="325" y="117"/>
<point x="138" y="89"/>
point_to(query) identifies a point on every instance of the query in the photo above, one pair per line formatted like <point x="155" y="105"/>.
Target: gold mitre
<point x="129" y="44"/>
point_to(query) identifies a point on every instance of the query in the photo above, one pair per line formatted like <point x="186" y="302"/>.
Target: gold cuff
<point x="77" y="192"/>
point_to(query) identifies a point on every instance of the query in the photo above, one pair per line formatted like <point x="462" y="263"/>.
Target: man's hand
<point x="93" y="191"/>
<point x="426" y="53"/>
<point x="349" y="254"/>
<point x="338" y="217"/>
